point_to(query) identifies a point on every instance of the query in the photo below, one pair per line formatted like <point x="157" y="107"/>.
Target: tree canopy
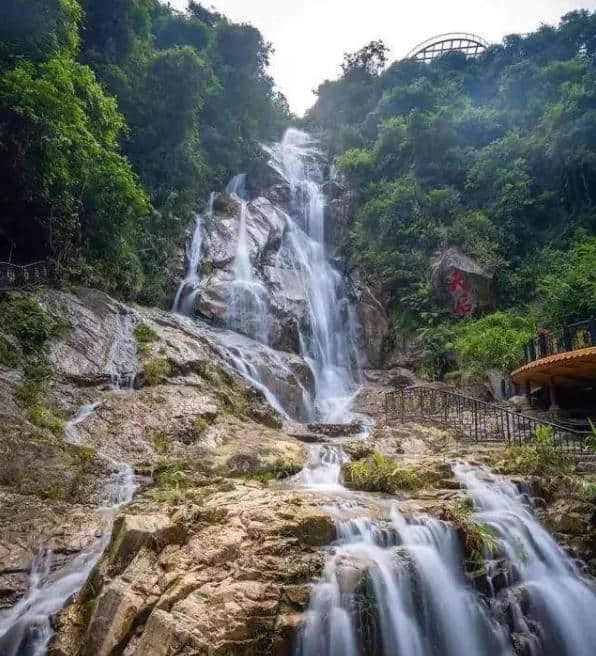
<point x="494" y="155"/>
<point x="117" y="117"/>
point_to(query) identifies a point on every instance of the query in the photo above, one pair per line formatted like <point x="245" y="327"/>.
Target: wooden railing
<point x="477" y="420"/>
<point x="13" y="276"/>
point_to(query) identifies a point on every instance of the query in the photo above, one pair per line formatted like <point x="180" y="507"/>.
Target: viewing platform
<point x="563" y="359"/>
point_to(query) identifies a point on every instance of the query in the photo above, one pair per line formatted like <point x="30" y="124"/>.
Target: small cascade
<point x="122" y="361"/>
<point x="71" y="434"/>
<point x="562" y="604"/>
<point x="323" y="468"/>
<point x="394" y="588"/>
<point x="247" y="310"/>
<point x="26" y="629"/>
<point x="189" y="287"/>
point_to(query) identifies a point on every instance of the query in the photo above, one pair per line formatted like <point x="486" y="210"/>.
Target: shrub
<point x="156" y="369"/>
<point x="492" y="342"/>
<point x="23" y="317"/>
<point x="376" y="473"/>
<point x="144" y="334"/>
<point x="44" y="416"/>
<point x="541" y="456"/>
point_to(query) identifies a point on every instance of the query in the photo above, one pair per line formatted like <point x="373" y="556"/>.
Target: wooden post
<point x="552" y="393"/>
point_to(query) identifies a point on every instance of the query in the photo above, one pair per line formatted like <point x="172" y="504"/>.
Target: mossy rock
<point x="358" y="449"/>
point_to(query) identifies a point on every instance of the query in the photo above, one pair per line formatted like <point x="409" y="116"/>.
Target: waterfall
<point x="189" y="287"/>
<point x="562" y="604"/>
<point x="395" y="587"/>
<point x="327" y="341"/>
<point x="247" y="310"/>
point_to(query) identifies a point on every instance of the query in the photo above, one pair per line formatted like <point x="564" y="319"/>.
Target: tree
<point x="371" y="59"/>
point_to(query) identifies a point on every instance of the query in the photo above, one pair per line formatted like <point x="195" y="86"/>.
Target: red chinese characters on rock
<point x="461" y="292"/>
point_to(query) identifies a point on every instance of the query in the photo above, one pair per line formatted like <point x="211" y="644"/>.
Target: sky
<point x="311" y="36"/>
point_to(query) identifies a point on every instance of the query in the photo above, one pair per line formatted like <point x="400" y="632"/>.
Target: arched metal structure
<point x="470" y="44"/>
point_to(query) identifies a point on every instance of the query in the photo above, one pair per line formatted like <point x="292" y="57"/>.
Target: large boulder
<point x="462" y="284"/>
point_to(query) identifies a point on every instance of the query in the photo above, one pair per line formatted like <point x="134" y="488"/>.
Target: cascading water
<point x="25" y="629"/>
<point x="562" y="605"/>
<point x="327" y="340"/>
<point x="247" y="309"/>
<point x="392" y="587"/>
<point x="189" y="287"/>
<point x="71" y="433"/>
<point x="395" y="586"/>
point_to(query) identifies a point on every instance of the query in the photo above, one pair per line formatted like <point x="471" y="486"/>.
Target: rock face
<point x="197" y="408"/>
<point x="226" y="570"/>
<point x="462" y="283"/>
<point x="278" y="253"/>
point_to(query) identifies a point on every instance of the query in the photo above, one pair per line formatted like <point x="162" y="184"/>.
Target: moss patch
<point x="155" y="369"/>
<point x="144" y="334"/>
<point x="9" y="355"/>
<point x="376" y="473"/>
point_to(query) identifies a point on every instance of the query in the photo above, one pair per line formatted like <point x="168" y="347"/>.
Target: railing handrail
<point x="481" y="420"/>
<point x="561" y="340"/>
<point x="20" y="276"/>
<point x="495" y="406"/>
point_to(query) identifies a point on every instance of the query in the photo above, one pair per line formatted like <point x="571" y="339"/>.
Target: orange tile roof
<point x="581" y="355"/>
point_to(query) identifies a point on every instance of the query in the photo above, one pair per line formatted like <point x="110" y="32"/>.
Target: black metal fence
<point x="572" y="337"/>
<point x="477" y="420"/>
<point x="13" y="276"/>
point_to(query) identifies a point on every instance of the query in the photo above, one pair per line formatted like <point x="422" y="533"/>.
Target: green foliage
<point x="377" y="473"/>
<point x="494" y="155"/>
<point x="9" y="356"/>
<point x="173" y="477"/>
<point x="23" y="317"/>
<point x="569" y="291"/>
<point x="479" y="540"/>
<point x="155" y="370"/>
<point x="115" y="123"/>
<point x="144" y="334"/>
<point x="38" y="28"/>
<point x="492" y="342"/>
<point x="541" y="456"/>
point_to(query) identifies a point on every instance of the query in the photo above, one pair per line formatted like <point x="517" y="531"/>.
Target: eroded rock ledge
<point x="223" y="568"/>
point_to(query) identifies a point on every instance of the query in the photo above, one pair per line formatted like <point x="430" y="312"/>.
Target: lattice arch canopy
<point x="471" y="45"/>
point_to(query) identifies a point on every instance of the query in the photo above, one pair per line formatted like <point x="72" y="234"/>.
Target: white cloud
<point x="310" y="36"/>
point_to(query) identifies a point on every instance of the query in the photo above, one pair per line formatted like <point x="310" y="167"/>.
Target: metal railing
<point x="477" y="420"/>
<point x="13" y="276"/>
<point x="572" y="337"/>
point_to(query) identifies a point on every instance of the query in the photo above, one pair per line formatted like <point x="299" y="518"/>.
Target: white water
<point x="327" y="343"/>
<point x="323" y="468"/>
<point x="247" y="311"/>
<point x="71" y="433"/>
<point x="25" y="629"/>
<point x="562" y="603"/>
<point x="395" y="586"/>
<point x="190" y="285"/>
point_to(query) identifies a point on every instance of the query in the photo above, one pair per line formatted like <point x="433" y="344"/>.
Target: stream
<point x="395" y="585"/>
